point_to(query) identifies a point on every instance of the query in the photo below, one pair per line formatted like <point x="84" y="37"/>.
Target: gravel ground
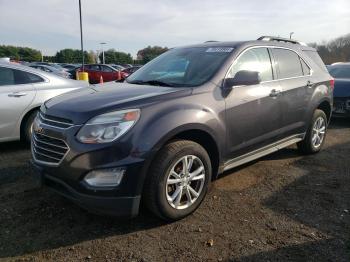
<point x="284" y="207"/>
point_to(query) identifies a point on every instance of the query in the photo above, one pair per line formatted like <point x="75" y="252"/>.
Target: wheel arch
<point x="195" y="133"/>
<point x="24" y="120"/>
<point x="326" y="107"/>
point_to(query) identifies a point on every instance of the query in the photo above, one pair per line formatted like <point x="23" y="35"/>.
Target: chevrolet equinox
<point x="190" y="114"/>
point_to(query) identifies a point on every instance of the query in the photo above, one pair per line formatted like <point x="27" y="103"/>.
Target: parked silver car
<point x="50" y="69"/>
<point x="22" y="91"/>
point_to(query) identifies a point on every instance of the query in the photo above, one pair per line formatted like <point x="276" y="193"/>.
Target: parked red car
<point x="96" y="71"/>
<point x="128" y="71"/>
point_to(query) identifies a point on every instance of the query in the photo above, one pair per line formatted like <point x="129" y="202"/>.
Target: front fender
<point x="166" y="125"/>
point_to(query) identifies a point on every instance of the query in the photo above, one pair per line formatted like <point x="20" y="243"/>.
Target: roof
<point x="264" y="41"/>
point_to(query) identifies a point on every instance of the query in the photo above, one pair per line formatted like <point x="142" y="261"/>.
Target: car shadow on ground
<point x="318" y="199"/>
<point x="35" y="219"/>
<point x="339" y="123"/>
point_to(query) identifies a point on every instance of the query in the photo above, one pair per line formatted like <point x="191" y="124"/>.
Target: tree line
<point x="336" y="50"/>
<point x="73" y="56"/>
<point x="20" y="53"/>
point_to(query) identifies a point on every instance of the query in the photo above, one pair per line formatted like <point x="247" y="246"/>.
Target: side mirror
<point x="243" y="78"/>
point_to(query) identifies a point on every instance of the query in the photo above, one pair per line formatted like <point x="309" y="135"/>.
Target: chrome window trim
<point x="272" y="47"/>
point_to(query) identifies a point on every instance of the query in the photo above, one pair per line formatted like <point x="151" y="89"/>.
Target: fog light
<point x="105" y="177"/>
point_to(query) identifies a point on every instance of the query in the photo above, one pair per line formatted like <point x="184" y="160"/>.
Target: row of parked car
<point x="173" y="125"/>
<point x="25" y="87"/>
<point x="97" y="72"/>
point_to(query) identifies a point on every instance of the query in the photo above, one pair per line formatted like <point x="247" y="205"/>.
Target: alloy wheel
<point x="318" y="132"/>
<point x="185" y="182"/>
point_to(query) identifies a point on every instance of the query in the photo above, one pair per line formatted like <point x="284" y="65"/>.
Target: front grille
<point x="48" y="150"/>
<point x="55" y="121"/>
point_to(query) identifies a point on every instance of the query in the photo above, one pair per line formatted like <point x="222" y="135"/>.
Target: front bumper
<point x="66" y="176"/>
<point x="104" y="205"/>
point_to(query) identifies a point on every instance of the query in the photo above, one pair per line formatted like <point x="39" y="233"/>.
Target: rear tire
<point x="171" y="192"/>
<point x="316" y="134"/>
<point x="27" y="127"/>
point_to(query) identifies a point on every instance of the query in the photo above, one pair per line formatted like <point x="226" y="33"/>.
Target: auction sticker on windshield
<point x="219" y="50"/>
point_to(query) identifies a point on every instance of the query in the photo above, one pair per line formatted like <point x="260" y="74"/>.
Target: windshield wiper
<point x="151" y="82"/>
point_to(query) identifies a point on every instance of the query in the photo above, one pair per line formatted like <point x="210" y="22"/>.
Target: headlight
<point x="108" y="127"/>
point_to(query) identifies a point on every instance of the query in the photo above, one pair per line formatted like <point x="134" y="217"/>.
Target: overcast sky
<point x="129" y="25"/>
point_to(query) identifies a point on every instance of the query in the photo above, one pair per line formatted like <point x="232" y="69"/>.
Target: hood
<point x="341" y="88"/>
<point x="82" y="104"/>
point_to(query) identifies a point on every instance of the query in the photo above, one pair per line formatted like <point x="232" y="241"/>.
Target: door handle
<point x="309" y="84"/>
<point x="17" y="94"/>
<point x="275" y="93"/>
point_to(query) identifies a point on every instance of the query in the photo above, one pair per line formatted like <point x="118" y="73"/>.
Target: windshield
<point x="340" y="71"/>
<point x="182" y="67"/>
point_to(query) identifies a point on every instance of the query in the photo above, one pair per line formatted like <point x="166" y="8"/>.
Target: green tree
<point x="69" y="55"/>
<point x="115" y="57"/>
<point x="20" y="53"/>
<point x="147" y="54"/>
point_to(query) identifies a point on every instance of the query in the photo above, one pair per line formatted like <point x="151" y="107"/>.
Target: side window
<point x="306" y="68"/>
<point x="106" y="69"/>
<point x="34" y="78"/>
<point x="46" y="69"/>
<point x="94" y="67"/>
<point x="256" y="59"/>
<point x="6" y="76"/>
<point x="288" y="63"/>
<point x="21" y="77"/>
<point x="10" y="76"/>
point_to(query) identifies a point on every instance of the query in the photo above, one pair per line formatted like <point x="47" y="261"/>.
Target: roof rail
<point x="280" y="39"/>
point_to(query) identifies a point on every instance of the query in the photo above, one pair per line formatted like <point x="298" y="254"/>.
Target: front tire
<point x="178" y="180"/>
<point x="316" y="134"/>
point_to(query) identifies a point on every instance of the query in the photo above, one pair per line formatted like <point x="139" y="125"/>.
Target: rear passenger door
<point x="16" y="94"/>
<point x="294" y="77"/>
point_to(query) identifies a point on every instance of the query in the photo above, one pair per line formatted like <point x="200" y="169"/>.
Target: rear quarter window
<point x="317" y="59"/>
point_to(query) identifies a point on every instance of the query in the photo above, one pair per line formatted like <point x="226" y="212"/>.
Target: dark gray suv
<point x="178" y="122"/>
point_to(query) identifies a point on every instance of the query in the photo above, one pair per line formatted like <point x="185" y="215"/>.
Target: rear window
<point x="317" y="59"/>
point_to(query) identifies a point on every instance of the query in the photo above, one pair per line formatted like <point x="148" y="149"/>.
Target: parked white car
<point x="22" y="91"/>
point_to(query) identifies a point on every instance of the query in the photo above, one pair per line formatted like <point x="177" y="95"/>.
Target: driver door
<point x="253" y="112"/>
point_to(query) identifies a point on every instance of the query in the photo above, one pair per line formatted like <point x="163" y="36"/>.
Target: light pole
<point x="103" y="52"/>
<point x="290" y="35"/>
<point x="81" y="35"/>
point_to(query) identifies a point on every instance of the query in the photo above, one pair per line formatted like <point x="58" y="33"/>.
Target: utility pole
<point x="103" y="53"/>
<point x="81" y="36"/>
